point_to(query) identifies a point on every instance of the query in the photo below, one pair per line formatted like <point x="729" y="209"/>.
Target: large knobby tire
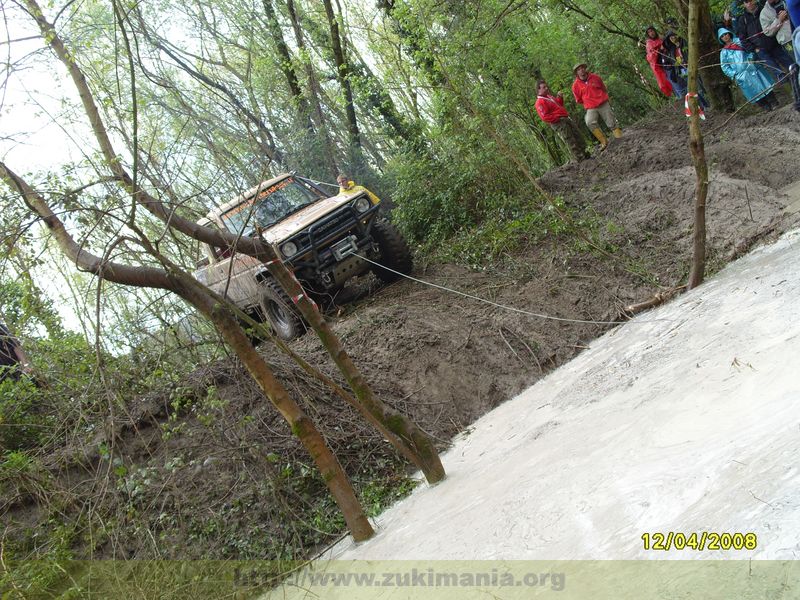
<point x="280" y="311"/>
<point x="395" y="253"/>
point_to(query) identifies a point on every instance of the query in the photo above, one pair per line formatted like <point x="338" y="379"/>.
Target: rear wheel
<point x="281" y="312"/>
<point x="395" y="253"/>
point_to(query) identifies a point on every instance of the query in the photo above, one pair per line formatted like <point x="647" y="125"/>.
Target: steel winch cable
<point x="502" y="306"/>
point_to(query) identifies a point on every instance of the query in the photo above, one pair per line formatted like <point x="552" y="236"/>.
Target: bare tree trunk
<point x="716" y="84"/>
<point x="609" y="27"/>
<point x="329" y="148"/>
<point x="414" y="42"/>
<point x="377" y="98"/>
<point x="286" y="67"/>
<point x="264" y="139"/>
<point x="698" y="153"/>
<point x="254" y="246"/>
<point x="343" y="72"/>
<point x="301" y="425"/>
<point x="401" y="432"/>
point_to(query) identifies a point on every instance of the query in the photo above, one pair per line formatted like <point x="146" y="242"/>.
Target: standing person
<point x="793" y="8"/>
<point x="551" y="110"/>
<point x="739" y="65"/>
<point x="776" y="22"/>
<point x="676" y="57"/>
<point x="653" y="45"/>
<point x="590" y="92"/>
<point x="753" y="39"/>
<point x="13" y="361"/>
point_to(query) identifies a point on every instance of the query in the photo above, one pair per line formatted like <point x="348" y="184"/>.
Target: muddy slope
<point x="228" y="480"/>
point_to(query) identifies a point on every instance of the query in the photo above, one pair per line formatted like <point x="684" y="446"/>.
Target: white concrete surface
<point x="687" y="420"/>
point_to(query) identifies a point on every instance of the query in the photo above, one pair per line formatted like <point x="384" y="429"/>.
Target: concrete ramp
<point x="684" y="421"/>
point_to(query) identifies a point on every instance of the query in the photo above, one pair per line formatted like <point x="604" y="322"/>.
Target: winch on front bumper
<point x="325" y="249"/>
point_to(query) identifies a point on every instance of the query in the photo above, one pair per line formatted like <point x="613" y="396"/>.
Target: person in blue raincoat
<point x="741" y="66"/>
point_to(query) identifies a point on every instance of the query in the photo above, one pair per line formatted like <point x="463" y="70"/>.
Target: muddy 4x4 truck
<point x="319" y="237"/>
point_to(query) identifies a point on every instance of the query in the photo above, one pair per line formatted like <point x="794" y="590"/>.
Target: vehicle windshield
<point x="269" y="206"/>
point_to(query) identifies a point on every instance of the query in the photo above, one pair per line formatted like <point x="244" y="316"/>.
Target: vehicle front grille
<point x="326" y="231"/>
<point x="340" y="220"/>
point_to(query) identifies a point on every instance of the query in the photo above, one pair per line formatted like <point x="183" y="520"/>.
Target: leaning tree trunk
<point x="343" y="73"/>
<point x="184" y="285"/>
<point x="252" y="246"/>
<point x="698" y="153"/>
<point x="716" y="84"/>
<point x="328" y="147"/>
<point x="401" y="432"/>
<point x="301" y="425"/>
<point x="286" y="66"/>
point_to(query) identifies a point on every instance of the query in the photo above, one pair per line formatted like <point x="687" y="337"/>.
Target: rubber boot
<point x="617" y="133"/>
<point x="598" y="133"/>
<point x="764" y="104"/>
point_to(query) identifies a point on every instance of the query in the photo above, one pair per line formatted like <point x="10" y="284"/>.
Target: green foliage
<point x="461" y="74"/>
<point x="210" y="407"/>
<point x="25" y="307"/>
<point x="66" y="362"/>
<point x="483" y="126"/>
<point x="17" y="464"/>
<point x="44" y="577"/>
<point x="380" y="493"/>
<point x="22" y="424"/>
<point x="136" y="482"/>
<point x="502" y="235"/>
<point x="428" y="200"/>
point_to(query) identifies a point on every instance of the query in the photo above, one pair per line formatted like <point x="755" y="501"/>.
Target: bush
<point x="22" y="426"/>
<point x="436" y="197"/>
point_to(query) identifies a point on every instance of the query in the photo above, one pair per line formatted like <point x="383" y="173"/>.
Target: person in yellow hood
<point x="346" y="186"/>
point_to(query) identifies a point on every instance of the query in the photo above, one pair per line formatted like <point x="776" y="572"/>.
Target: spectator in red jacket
<point x="654" y="45"/>
<point x="590" y="92"/>
<point x="551" y="110"/>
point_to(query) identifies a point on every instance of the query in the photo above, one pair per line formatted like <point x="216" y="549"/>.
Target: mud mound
<point x="760" y="148"/>
<point x="644" y="184"/>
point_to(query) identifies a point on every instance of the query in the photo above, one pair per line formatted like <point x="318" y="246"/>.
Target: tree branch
<point x="609" y="28"/>
<point x="86" y="261"/>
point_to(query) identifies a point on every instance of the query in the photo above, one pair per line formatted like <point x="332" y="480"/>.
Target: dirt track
<point x="445" y="359"/>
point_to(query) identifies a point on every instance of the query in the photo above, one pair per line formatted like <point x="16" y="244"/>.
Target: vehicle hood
<point x="305" y="217"/>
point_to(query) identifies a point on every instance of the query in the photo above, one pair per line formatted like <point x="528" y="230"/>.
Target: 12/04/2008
<point x="705" y="540"/>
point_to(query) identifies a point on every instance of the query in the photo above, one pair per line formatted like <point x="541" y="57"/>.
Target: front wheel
<point x="395" y="253"/>
<point x="280" y="311"/>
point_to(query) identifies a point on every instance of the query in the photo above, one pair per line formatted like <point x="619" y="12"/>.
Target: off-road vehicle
<point x="319" y="237"/>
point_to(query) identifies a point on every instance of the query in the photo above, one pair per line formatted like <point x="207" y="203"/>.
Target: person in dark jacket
<point x="676" y="57"/>
<point x="768" y="51"/>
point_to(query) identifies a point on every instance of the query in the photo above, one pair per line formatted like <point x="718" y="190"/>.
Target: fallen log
<point x="658" y="299"/>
